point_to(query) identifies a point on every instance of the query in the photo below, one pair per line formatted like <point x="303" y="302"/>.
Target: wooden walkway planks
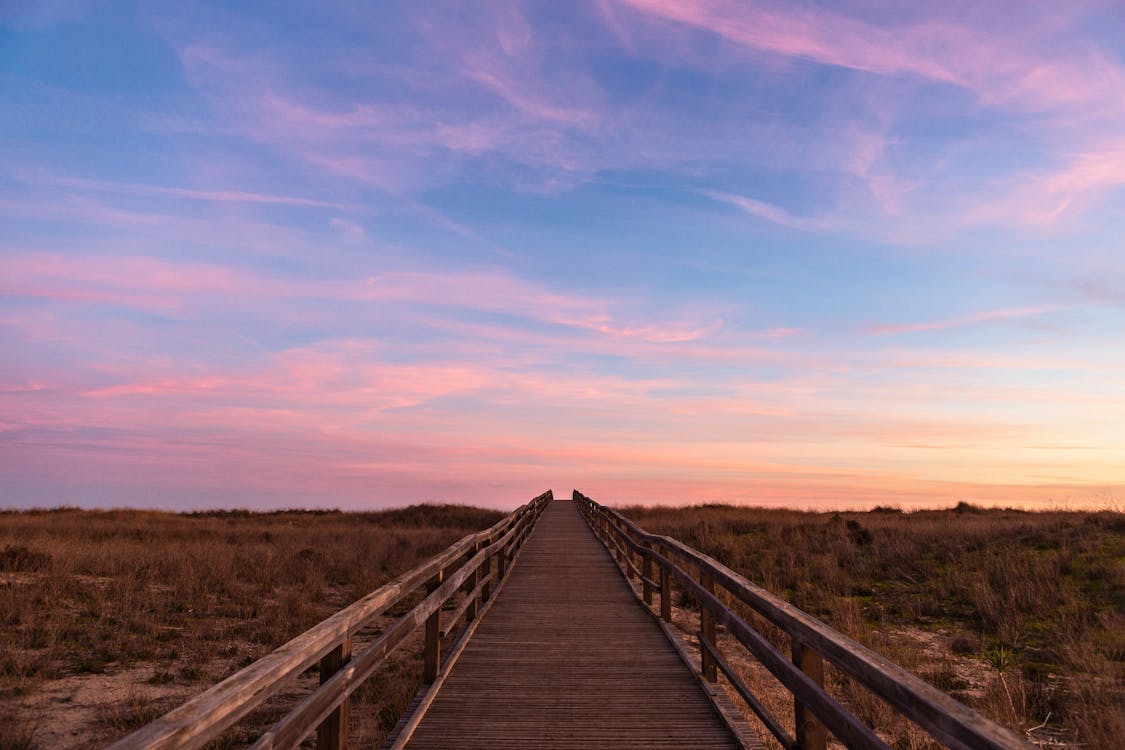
<point x="566" y="658"/>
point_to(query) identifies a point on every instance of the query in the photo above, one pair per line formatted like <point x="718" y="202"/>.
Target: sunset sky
<point x="363" y="254"/>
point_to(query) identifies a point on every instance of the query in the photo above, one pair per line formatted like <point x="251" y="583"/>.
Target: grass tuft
<point x="1020" y="615"/>
<point x="176" y="602"/>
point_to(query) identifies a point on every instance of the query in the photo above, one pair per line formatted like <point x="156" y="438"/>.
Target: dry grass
<point x="1020" y="615"/>
<point x="109" y="618"/>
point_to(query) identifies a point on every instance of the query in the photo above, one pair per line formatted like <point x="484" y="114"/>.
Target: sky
<point x="365" y="254"/>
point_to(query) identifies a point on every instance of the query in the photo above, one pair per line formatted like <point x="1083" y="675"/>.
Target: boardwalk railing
<point x="659" y="560"/>
<point x="476" y="565"/>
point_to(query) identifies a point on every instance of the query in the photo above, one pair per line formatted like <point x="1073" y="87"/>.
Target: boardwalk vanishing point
<point x="553" y="629"/>
<point x="566" y="659"/>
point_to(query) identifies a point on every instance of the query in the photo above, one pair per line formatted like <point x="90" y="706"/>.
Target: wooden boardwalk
<point x="564" y="655"/>
<point x="566" y="658"/>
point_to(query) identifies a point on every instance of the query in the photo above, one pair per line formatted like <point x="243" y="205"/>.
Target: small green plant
<point x="1000" y="657"/>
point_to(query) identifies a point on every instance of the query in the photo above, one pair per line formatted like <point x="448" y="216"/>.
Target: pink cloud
<point x="1072" y="100"/>
<point x="1048" y="197"/>
<point x="722" y="345"/>
<point x="974" y="360"/>
<point x="137" y="281"/>
<point x="328" y="419"/>
<point x="995" y="67"/>
<point x="655" y="334"/>
<point x="163" y="387"/>
<point x="772" y="213"/>
<point x="972" y="319"/>
<point x="200" y="290"/>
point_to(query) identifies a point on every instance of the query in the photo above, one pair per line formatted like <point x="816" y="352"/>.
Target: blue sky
<point x="354" y="254"/>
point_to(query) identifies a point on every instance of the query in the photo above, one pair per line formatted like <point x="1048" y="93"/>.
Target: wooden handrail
<point x="943" y="718"/>
<point x="203" y="718"/>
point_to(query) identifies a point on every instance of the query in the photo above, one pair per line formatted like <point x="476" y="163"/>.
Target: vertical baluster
<point x="665" y="589"/>
<point x="630" y="554"/>
<point x="811" y="734"/>
<point x="486" y="590"/>
<point x="707" y="630"/>
<point x="432" y="647"/>
<point x="332" y="734"/>
<point x="471" y="585"/>
<point x="646" y="573"/>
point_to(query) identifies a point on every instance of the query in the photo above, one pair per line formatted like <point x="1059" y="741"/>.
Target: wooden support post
<point x="811" y="734"/>
<point x="332" y="734"/>
<point x="486" y="589"/>
<point x="432" y="647"/>
<point x="501" y="564"/>
<point x="665" y="594"/>
<point x="707" y="630"/>
<point x="646" y="573"/>
<point x="470" y="587"/>
<point x="630" y="569"/>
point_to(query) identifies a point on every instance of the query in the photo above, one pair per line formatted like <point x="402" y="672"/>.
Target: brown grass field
<point x="1019" y="615"/>
<point x="110" y="618"/>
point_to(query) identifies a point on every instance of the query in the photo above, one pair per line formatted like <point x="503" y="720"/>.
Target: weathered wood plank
<point x="300" y="721"/>
<point x="568" y="658"/>
<point x="332" y="734"/>
<point x="206" y="716"/>
<point x="768" y="719"/>
<point x="950" y="722"/>
<point x="431" y="649"/>
<point x="810" y="731"/>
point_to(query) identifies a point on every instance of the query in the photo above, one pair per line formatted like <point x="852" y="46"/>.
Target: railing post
<point x="665" y="592"/>
<point x="486" y="589"/>
<point x="630" y="568"/>
<point x="646" y="574"/>
<point x="432" y="647"/>
<point x="332" y="734"/>
<point x="471" y="585"/>
<point x="811" y="734"/>
<point x="707" y="630"/>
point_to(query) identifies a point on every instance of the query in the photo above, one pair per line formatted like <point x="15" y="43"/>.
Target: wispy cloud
<point x="217" y="196"/>
<point x="995" y="67"/>
<point x="771" y="213"/>
<point x="463" y="255"/>
<point x="207" y="290"/>
<point x="972" y="319"/>
<point x="1048" y="197"/>
<point x="1068" y="99"/>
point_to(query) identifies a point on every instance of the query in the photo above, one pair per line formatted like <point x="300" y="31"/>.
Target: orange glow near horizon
<point x="812" y="255"/>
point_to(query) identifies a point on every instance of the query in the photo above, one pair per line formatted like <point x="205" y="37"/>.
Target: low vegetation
<point x="110" y="618"/>
<point x="1020" y="615"/>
